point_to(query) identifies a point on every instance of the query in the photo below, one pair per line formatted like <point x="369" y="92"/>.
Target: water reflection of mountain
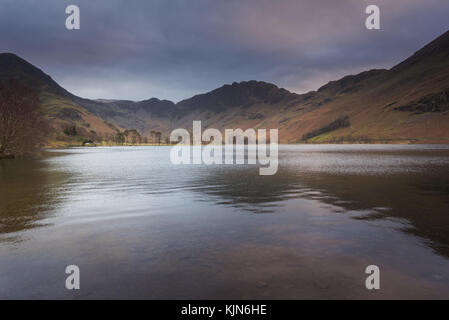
<point x="242" y="187"/>
<point x="420" y="198"/>
<point x="27" y="193"/>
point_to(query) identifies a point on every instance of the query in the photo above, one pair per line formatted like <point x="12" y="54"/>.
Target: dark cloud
<point x="175" y="48"/>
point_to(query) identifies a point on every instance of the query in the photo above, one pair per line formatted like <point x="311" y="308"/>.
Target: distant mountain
<point x="145" y="116"/>
<point x="408" y="103"/>
<point x="237" y="95"/>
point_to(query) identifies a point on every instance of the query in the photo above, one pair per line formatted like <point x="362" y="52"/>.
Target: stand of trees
<point x="156" y="136"/>
<point x="131" y="136"/>
<point x="23" y="126"/>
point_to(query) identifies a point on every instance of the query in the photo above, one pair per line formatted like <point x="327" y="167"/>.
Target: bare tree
<point x="152" y="135"/>
<point x="158" y="137"/>
<point x="132" y="136"/>
<point x="22" y="123"/>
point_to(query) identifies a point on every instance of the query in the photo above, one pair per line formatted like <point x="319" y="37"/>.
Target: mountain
<point x="60" y="105"/>
<point x="241" y="95"/>
<point x="407" y="103"/>
<point x="145" y="116"/>
<point x="14" y="67"/>
<point x="248" y="104"/>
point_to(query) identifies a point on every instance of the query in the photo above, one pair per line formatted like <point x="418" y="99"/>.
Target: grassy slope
<point x="63" y="113"/>
<point x="369" y="99"/>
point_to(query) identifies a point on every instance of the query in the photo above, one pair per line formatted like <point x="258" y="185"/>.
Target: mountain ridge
<point x="380" y="105"/>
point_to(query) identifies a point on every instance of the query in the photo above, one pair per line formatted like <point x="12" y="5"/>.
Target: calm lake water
<point x="139" y="227"/>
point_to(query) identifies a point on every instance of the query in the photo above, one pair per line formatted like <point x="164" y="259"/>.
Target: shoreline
<point x="382" y="142"/>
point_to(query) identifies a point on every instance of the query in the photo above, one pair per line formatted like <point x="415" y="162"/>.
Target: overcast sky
<point x="173" y="49"/>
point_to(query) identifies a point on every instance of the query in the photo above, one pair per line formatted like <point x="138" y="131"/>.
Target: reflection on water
<point x="140" y="227"/>
<point x="409" y="183"/>
<point x="27" y="193"/>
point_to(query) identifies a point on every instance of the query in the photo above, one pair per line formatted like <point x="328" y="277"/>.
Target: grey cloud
<point x="173" y="49"/>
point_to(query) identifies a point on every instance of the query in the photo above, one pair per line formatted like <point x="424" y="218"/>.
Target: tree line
<point x="132" y="136"/>
<point x="25" y="128"/>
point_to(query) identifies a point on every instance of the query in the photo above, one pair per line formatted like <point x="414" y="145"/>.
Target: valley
<point x="408" y="103"/>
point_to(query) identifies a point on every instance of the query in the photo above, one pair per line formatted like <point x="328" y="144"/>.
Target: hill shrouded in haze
<point x="408" y="103"/>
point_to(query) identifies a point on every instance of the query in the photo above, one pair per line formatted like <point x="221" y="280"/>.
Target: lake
<point x="140" y="227"/>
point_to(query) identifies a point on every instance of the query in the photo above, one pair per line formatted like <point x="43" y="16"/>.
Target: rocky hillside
<point x="408" y="103"/>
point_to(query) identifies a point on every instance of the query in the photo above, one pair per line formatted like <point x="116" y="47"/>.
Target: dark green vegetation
<point x="434" y="102"/>
<point x="342" y="122"/>
<point x="408" y="103"/>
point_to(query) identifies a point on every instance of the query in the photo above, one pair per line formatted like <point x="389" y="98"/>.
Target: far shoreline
<point x="60" y="147"/>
